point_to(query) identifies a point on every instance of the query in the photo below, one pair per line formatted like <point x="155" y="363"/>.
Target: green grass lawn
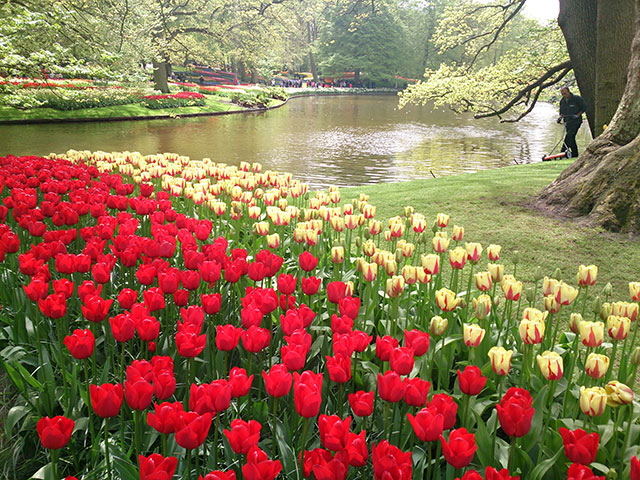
<point x="492" y="206"/>
<point x="213" y="105"/>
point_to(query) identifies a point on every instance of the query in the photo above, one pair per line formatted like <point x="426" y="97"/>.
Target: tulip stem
<point x="547" y="418"/>
<point x="106" y="447"/>
<point x="512" y="449"/>
<point x="574" y="349"/>
<point x="386" y="420"/>
<point x="89" y="411"/>
<point x="215" y="441"/>
<point x="628" y="432"/>
<point x="303" y="439"/>
<point x="613" y="359"/>
<point x="189" y="464"/>
<point x="54" y="464"/>
<point x="465" y="408"/>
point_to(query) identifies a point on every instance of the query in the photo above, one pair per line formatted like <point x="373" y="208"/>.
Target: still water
<point x="348" y="140"/>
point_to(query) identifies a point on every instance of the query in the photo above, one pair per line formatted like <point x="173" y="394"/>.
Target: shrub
<point x="176" y="100"/>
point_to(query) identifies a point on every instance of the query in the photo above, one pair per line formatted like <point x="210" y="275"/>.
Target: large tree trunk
<point x="160" y="76"/>
<point x="604" y="183"/>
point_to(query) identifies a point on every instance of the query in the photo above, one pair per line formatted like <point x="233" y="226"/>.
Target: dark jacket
<point x="572" y="108"/>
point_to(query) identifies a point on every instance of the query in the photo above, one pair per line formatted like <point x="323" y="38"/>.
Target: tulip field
<point x="164" y="317"/>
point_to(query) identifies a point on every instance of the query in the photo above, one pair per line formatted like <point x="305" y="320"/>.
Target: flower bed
<point x="165" y="316"/>
<point x="175" y="100"/>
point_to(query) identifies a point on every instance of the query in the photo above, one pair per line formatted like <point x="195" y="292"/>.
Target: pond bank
<point x="214" y="107"/>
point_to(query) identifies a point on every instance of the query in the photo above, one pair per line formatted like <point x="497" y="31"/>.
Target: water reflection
<point x="321" y="140"/>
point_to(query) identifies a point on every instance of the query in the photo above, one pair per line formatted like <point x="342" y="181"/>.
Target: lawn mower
<point x="555" y="156"/>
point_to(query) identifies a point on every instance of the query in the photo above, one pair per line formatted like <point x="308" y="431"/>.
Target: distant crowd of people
<point x="298" y="83"/>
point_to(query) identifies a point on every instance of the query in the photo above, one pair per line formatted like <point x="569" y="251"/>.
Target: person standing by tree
<point x="571" y="109"/>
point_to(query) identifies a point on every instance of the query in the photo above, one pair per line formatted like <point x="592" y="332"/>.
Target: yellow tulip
<point x="442" y="219"/>
<point x="431" y="263"/>
<point x="596" y="365"/>
<point x="551" y="365"/>
<point x="472" y="334"/>
<point x="457" y="258"/>
<point x="337" y="254"/>
<point x="493" y="251"/>
<point x="500" y="360"/>
<point x="474" y="251"/>
<point x="591" y="333"/>
<point x="482" y="306"/>
<point x="497" y="271"/>
<point x="634" y="291"/>
<point x="531" y="331"/>
<point x="587" y="275"/>
<point x="618" y="327"/>
<point x="618" y="394"/>
<point x="593" y="401"/>
<point x="483" y="281"/>
<point x="438" y="325"/>
<point x="458" y="233"/>
<point x="446" y="300"/>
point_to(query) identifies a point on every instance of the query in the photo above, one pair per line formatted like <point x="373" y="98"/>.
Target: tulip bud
<point x="516" y="257"/>
<point x="482" y="306"/>
<point x="358" y="242"/>
<point x="474" y="251"/>
<point x="557" y="273"/>
<point x="531" y="331"/>
<point x="635" y="356"/>
<point x="634" y="291"/>
<point x="550" y="304"/>
<point x="497" y="271"/>
<point x="597" y="305"/>
<point x="596" y="365"/>
<point x="439" y="325"/>
<point x="457" y="258"/>
<point x="529" y="294"/>
<point x="273" y="240"/>
<point x="500" y="360"/>
<point x="337" y="254"/>
<point x="551" y="365"/>
<point x="618" y="394"/>
<point x="395" y="286"/>
<point x="398" y="255"/>
<point x="431" y="263"/>
<point x="574" y="322"/>
<point x="618" y="327"/>
<point x="608" y="288"/>
<point x="408" y="211"/>
<point x="537" y="273"/>
<point x="446" y="300"/>
<point x="458" y="233"/>
<point x="472" y="334"/>
<point x="593" y="401"/>
<point x="605" y="310"/>
<point x="442" y="220"/>
<point x="591" y="333"/>
<point x="493" y="252"/>
<point x="587" y="276"/>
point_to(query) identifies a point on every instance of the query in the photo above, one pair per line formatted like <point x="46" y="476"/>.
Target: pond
<point x="338" y="140"/>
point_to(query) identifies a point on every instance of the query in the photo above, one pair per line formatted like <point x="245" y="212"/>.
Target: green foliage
<point x="63" y="99"/>
<point x="487" y="76"/>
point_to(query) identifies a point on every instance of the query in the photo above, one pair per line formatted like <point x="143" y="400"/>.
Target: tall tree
<point x="603" y="185"/>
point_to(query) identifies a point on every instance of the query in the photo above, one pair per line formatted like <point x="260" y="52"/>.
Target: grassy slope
<point x="132" y="110"/>
<point x="491" y="206"/>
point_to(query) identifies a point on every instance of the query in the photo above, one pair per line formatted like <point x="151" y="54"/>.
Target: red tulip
<point x="227" y="337"/>
<point x="148" y="327"/>
<point x="339" y="368"/>
<point x="210" y="271"/>
<point x="294" y="356"/>
<point x="401" y="360"/>
<point x="361" y="403"/>
<point x="580" y="446"/>
<point x="491" y="473"/>
<point x="335" y="468"/>
<point x="580" y="472"/>
<point x="314" y="458"/>
<point x="157" y="467"/>
<point x="307" y="393"/>
<point x="357" y="449"/>
<point x="106" y="399"/>
<point x="259" y="467"/>
<point x="333" y="431"/>
<point x="53" y="306"/>
<point x="471" y="380"/>
<point x="390" y="386"/>
<point x="307" y="261"/>
<point x="153" y="299"/>
<point x="342" y="324"/>
<point x="243" y="435"/>
<point x="515" y="412"/>
<point x="123" y="327"/>
<point x="127" y="297"/>
<point x="88" y="288"/>
<point x="389" y="462"/>
<point x="192" y="429"/>
<point x="278" y="381"/>
<point x="384" y="346"/>
<point x="138" y="393"/>
<point x="360" y="340"/>
<point x="444" y="404"/>
<point x="635" y="469"/>
<point x="164" y="417"/>
<point x="146" y="274"/>
<point x="95" y="308"/>
<point x="80" y="343"/>
<point x="286" y="284"/>
<point x="336" y="291"/>
<point x="101" y="272"/>
<point x="460" y="448"/>
<point x="255" y="339"/>
<point x="310" y="285"/>
<point x="189" y="342"/>
<point x="55" y="432"/>
<point x="37" y="289"/>
<point x="349" y="306"/>
<point x="427" y="424"/>
<point x="211" y="303"/>
<point x="64" y="287"/>
<point x="190" y="279"/>
<point x="240" y="383"/>
<point x="181" y="298"/>
<point x="417" y="340"/>
<point x="193" y="315"/>
<point x="213" y="397"/>
<point x="416" y="391"/>
<point x="219" y="475"/>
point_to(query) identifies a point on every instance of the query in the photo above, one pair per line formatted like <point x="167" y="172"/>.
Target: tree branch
<point x="542" y="83"/>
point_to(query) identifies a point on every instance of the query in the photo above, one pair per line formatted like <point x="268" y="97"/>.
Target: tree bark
<point x="160" y="76"/>
<point x="603" y="185"/>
